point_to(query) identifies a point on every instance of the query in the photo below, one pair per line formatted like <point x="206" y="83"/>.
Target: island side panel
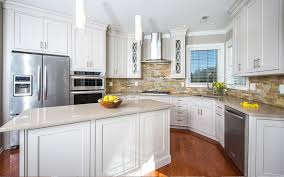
<point x="23" y="153"/>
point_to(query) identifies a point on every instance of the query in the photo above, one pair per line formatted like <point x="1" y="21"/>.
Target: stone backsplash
<point x="157" y="77"/>
<point x="267" y="91"/>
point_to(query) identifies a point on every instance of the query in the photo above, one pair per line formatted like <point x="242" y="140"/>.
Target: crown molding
<point x="207" y="33"/>
<point x="236" y="7"/>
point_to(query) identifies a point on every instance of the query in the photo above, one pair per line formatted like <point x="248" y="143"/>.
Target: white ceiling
<point x="158" y="15"/>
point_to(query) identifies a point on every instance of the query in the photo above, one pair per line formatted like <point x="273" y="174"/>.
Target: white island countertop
<point x="53" y="116"/>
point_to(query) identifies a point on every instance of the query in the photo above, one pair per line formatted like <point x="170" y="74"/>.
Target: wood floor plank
<point x="192" y="155"/>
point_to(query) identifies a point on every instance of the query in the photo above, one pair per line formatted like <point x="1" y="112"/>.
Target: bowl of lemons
<point x="110" y="101"/>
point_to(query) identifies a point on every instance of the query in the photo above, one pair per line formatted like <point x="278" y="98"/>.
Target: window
<point x="205" y="64"/>
<point x="233" y="81"/>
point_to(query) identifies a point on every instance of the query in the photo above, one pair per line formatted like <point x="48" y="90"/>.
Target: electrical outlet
<point x="182" y="84"/>
<point x="136" y="84"/>
<point x="281" y="89"/>
<point x="110" y="84"/>
<point x="252" y="86"/>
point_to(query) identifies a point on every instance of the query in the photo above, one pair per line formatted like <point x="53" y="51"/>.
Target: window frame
<point x="229" y="44"/>
<point x="220" y="62"/>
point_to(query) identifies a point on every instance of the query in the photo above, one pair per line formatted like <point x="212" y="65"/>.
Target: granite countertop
<point x="52" y="116"/>
<point x="265" y="111"/>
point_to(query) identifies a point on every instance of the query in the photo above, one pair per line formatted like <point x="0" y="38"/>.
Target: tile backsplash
<point x="157" y="77"/>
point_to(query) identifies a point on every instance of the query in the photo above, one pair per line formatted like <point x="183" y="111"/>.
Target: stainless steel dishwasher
<point x="236" y="138"/>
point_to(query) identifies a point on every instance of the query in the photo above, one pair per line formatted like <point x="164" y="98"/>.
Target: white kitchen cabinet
<point x="89" y="51"/>
<point x="134" y="58"/>
<point x="57" y="38"/>
<point x="220" y="123"/>
<point x="40" y="34"/>
<point x="117" y="56"/>
<point x="264" y="38"/>
<point x="239" y="46"/>
<point x="180" y="113"/>
<point x="117" y="145"/>
<point x="178" y="53"/>
<point x="49" y="147"/>
<point x="155" y="140"/>
<point x="269" y="148"/>
<point x="29" y="32"/>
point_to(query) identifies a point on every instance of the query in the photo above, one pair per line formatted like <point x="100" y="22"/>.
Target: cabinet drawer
<point x="181" y="107"/>
<point x="177" y="113"/>
<point x="207" y="103"/>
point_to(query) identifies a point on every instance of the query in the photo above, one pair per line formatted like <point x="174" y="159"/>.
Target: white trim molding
<point x="207" y="33"/>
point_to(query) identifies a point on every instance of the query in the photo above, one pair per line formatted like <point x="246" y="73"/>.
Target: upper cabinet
<point x="123" y="56"/>
<point x="134" y="57"/>
<point x="39" y="34"/>
<point x="239" y="46"/>
<point x="260" y="23"/>
<point x="89" y="49"/>
<point x="178" y="53"/>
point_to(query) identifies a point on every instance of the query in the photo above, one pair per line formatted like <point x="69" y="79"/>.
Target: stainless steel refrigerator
<point x="37" y="81"/>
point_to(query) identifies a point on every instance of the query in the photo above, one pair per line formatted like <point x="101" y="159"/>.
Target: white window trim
<point x="220" y="62"/>
<point x="229" y="44"/>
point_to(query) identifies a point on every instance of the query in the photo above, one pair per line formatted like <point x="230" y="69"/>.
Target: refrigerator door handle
<point x="39" y="83"/>
<point x="45" y="83"/>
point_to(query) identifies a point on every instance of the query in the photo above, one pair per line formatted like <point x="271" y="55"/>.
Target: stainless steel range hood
<point x="156" y="50"/>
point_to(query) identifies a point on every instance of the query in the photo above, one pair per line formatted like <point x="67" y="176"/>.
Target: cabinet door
<point x="154" y="134"/>
<point x="122" y="58"/>
<point x="81" y="49"/>
<point x="219" y="128"/>
<point x="56" y="37"/>
<point x="240" y="43"/>
<point x="269" y="148"/>
<point x="178" y="55"/>
<point x="271" y="27"/>
<point x="134" y="58"/>
<point x="117" y="145"/>
<point x="98" y="52"/>
<point x="254" y="35"/>
<point x="29" y="33"/>
<point x="206" y="121"/>
<point x="59" y="151"/>
<point x="194" y="117"/>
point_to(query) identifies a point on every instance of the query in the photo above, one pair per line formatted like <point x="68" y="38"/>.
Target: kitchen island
<point x="89" y="140"/>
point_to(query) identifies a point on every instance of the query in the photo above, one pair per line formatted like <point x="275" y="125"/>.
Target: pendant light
<point x="80" y="14"/>
<point x="138" y="28"/>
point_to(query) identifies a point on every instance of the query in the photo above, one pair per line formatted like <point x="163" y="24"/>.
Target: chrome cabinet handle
<point x="219" y="114"/>
<point x="239" y="67"/>
<point x="45" y="45"/>
<point x="39" y="83"/>
<point x="41" y="44"/>
<point x="45" y="82"/>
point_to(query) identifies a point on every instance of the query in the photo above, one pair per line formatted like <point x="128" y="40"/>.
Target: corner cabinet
<point x="89" y="48"/>
<point x="51" y="36"/>
<point x="264" y="38"/>
<point x="178" y="53"/>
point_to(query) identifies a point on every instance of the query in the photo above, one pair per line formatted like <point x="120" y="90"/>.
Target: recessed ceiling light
<point x="204" y="19"/>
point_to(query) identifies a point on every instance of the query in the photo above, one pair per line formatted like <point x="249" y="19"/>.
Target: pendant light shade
<point x="80" y="14"/>
<point x="138" y="28"/>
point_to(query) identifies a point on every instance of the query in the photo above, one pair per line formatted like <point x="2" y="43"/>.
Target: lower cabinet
<point x="155" y="140"/>
<point x="269" y="151"/>
<point x="59" y="151"/>
<point x="117" y="145"/>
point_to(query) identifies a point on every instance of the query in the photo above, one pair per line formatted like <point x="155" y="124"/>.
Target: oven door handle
<point x="86" y="92"/>
<point x="86" y="77"/>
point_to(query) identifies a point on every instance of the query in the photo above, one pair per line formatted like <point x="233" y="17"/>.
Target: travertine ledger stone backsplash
<point x="157" y="77"/>
<point x="267" y="91"/>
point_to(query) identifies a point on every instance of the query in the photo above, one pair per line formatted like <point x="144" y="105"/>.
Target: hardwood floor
<point x="192" y="155"/>
<point x="9" y="163"/>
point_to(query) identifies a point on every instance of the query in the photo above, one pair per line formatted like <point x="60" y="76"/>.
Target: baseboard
<point x="151" y="166"/>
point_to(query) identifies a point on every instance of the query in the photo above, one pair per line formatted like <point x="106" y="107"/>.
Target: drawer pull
<point x="219" y="114"/>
